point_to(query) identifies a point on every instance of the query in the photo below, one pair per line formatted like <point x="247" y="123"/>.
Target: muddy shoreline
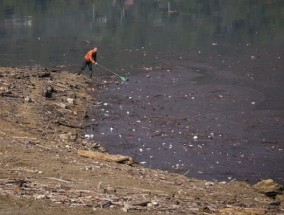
<point x="43" y="118"/>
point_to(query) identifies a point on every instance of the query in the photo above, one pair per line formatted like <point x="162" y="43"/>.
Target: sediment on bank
<point x="42" y="119"/>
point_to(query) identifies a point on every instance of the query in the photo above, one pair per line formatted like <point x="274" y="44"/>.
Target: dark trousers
<point x="89" y="64"/>
<point x="85" y="63"/>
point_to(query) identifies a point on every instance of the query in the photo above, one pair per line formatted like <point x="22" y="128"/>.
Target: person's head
<point x="95" y="49"/>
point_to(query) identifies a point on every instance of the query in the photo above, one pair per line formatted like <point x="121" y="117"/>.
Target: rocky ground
<point x="48" y="167"/>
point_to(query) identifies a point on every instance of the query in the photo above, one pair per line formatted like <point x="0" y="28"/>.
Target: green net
<point x="124" y="79"/>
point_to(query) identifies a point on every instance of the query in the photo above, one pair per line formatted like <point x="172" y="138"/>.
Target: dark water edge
<point x="194" y="116"/>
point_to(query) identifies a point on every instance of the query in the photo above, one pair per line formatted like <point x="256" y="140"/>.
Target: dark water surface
<point x="206" y="92"/>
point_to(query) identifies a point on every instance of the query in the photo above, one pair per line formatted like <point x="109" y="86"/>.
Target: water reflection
<point x="58" y="33"/>
<point x="13" y="22"/>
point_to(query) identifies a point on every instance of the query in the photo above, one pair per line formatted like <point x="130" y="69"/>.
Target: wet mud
<point x="204" y="115"/>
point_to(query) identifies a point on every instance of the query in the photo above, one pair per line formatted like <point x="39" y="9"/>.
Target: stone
<point x="280" y="197"/>
<point x="28" y="99"/>
<point x="61" y="105"/>
<point x="44" y="75"/>
<point x="70" y="101"/>
<point x="48" y="92"/>
<point x="69" y="137"/>
<point x="268" y="187"/>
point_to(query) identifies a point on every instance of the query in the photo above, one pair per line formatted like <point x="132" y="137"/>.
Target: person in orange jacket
<point x="89" y="59"/>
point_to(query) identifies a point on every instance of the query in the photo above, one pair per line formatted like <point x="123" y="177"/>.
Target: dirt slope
<point x="42" y="118"/>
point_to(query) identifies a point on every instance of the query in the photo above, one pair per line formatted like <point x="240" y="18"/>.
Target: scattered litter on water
<point x="89" y="136"/>
<point x="211" y="135"/>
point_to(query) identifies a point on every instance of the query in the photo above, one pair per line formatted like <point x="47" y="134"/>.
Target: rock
<point x="64" y="136"/>
<point x="3" y="89"/>
<point x="28" y="99"/>
<point x="280" y="197"/>
<point x="48" y="92"/>
<point x="208" y="183"/>
<point x="44" y="75"/>
<point x="70" y="101"/>
<point x="69" y="136"/>
<point x="39" y="196"/>
<point x="268" y="187"/>
<point x="61" y="105"/>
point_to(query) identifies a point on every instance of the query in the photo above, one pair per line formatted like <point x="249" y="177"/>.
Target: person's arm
<point x="94" y="58"/>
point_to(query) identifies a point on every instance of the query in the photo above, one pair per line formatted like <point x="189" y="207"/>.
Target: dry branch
<point x="57" y="179"/>
<point x="106" y="157"/>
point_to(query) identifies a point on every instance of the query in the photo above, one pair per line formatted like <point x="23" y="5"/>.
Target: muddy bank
<point x="43" y="117"/>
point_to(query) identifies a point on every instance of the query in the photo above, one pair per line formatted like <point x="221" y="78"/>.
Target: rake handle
<point x="108" y="70"/>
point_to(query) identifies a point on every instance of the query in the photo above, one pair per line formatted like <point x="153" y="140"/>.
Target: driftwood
<point x="9" y="94"/>
<point x="106" y="157"/>
<point x="57" y="179"/>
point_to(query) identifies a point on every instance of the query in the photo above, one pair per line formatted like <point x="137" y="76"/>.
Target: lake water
<point x="53" y="33"/>
<point x="224" y="45"/>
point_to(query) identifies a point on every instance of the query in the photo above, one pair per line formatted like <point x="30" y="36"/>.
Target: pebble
<point x="70" y="101"/>
<point x="28" y="99"/>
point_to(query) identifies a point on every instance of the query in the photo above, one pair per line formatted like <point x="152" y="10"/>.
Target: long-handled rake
<point x="123" y="79"/>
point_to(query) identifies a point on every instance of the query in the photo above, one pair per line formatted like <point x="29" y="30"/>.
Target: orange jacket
<point x="91" y="56"/>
